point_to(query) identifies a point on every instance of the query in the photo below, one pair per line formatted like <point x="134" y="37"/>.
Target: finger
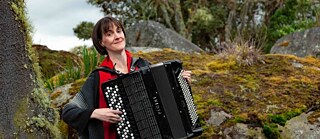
<point x="188" y="71"/>
<point x="116" y="111"/>
<point x="115" y="120"/>
<point x="112" y="121"/>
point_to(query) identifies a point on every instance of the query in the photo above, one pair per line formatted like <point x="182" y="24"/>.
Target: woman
<point x="87" y="112"/>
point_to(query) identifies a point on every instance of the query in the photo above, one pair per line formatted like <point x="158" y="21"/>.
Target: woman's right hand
<point x="107" y="115"/>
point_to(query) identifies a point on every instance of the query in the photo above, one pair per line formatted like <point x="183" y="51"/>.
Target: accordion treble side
<point x="156" y="102"/>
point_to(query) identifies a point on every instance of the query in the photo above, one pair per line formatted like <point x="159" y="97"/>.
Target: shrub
<point x="243" y="53"/>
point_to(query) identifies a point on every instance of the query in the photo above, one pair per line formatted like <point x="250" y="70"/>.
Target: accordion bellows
<point x="156" y="102"/>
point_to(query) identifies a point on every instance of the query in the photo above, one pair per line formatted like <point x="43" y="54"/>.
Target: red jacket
<point x="109" y="129"/>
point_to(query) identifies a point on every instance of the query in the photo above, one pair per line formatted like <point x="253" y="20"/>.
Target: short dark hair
<point x="101" y="27"/>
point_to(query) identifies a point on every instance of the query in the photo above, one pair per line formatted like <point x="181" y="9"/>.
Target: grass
<point x="72" y="72"/>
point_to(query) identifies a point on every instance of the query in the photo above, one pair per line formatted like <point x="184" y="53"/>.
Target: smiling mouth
<point x="118" y="42"/>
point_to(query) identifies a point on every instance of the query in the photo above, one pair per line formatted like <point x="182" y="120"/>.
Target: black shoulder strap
<point x="136" y="62"/>
<point x="142" y="63"/>
<point x="105" y="69"/>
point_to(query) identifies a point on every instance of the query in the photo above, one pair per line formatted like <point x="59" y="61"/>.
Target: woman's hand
<point x="187" y="74"/>
<point x="107" y="115"/>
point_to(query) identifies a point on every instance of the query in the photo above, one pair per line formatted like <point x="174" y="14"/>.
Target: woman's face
<point x="113" y="40"/>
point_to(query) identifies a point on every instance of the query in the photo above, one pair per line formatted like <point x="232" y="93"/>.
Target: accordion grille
<point x="133" y="93"/>
<point x="192" y="110"/>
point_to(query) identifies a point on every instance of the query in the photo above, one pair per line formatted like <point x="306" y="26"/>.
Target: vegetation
<point x="258" y="90"/>
<point x="209" y="24"/>
<point x="261" y="95"/>
<point x="62" y="67"/>
<point x="83" y="30"/>
<point x="265" y="93"/>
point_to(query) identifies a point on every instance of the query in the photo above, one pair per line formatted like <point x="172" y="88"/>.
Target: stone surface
<point x="299" y="128"/>
<point x="143" y="49"/>
<point x="63" y="97"/>
<point x="218" y="118"/>
<point x="155" y="35"/>
<point x="242" y="131"/>
<point x="303" y="43"/>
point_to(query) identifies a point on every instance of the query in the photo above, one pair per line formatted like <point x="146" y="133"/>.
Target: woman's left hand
<point x="187" y="74"/>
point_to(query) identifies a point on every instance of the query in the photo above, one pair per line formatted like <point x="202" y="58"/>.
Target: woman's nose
<point x="117" y="35"/>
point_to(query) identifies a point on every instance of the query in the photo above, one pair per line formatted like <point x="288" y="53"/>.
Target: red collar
<point x="108" y="63"/>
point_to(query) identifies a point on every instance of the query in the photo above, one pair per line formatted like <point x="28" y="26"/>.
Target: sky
<point x="53" y="21"/>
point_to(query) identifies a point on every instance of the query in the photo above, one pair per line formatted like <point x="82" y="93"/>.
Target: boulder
<point x="299" y="128"/>
<point x="152" y="34"/>
<point x="301" y="44"/>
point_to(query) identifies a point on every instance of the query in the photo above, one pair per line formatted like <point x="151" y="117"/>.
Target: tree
<point x="210" y="23"/>
<point x="292" y="16"/>
<point x="25" y="111"/>
<point x="84" y="30"/>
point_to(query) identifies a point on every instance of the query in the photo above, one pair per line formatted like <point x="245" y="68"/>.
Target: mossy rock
<point x="249" y="93"/>
<point x="52" y="62"/>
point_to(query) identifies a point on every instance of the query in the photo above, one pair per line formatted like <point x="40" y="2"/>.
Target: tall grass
<point x="91" y="59"/>
<point x="244" y="53"/>
<point x="70" y="73"/>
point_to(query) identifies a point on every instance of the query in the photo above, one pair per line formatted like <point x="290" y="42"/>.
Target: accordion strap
<point x="136" y="62"/>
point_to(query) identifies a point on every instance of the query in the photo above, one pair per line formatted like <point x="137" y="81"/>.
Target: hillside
<point x="52" y="62"/>
<point x="262" y="96"/>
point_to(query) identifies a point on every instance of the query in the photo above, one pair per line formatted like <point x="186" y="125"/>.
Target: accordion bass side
<point x="156" y="102"/>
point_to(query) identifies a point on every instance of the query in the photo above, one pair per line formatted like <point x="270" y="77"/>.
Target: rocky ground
<point x="276" y="98"/>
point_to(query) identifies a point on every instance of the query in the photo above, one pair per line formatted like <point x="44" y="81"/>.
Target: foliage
<point x="205" y="23"/>
<point x="281" y="119"/>
<point x="293" y="16"/>
<point x="208" y="24"/>
<point x="72" y="72"/>
<point x="91" y="59"/>
<point x="52" y="62"/>
<point x="68" y="75"/>
<point x="243" y="53"/>
<point x="271" y="131"/>
<point x="84" y="30"/>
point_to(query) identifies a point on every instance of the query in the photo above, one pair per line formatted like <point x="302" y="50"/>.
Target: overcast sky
<point x="53" y="21"/>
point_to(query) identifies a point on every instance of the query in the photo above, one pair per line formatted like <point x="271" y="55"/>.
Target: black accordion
<point x="156" y="102"/>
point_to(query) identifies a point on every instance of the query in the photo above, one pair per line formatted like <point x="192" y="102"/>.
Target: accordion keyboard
<point x="138" y="109"/>
<point x="188" y="98"/>
<point x="116" y="103"/>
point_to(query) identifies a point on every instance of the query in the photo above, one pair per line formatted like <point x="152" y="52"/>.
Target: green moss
<point x="221" y="65"/>
<point x="248" y="83"/>
<point x="281" y="119"/>
<point x="38" y="94"/>
<point x="246" y="92"/>
<point x="209" y="132"/>
<point x="76" y="86"/>
<point x="21" y="114"/>
<point x="213" y="102"/>
<point x="238" y="119"/>
<point x="271" y="131"/>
